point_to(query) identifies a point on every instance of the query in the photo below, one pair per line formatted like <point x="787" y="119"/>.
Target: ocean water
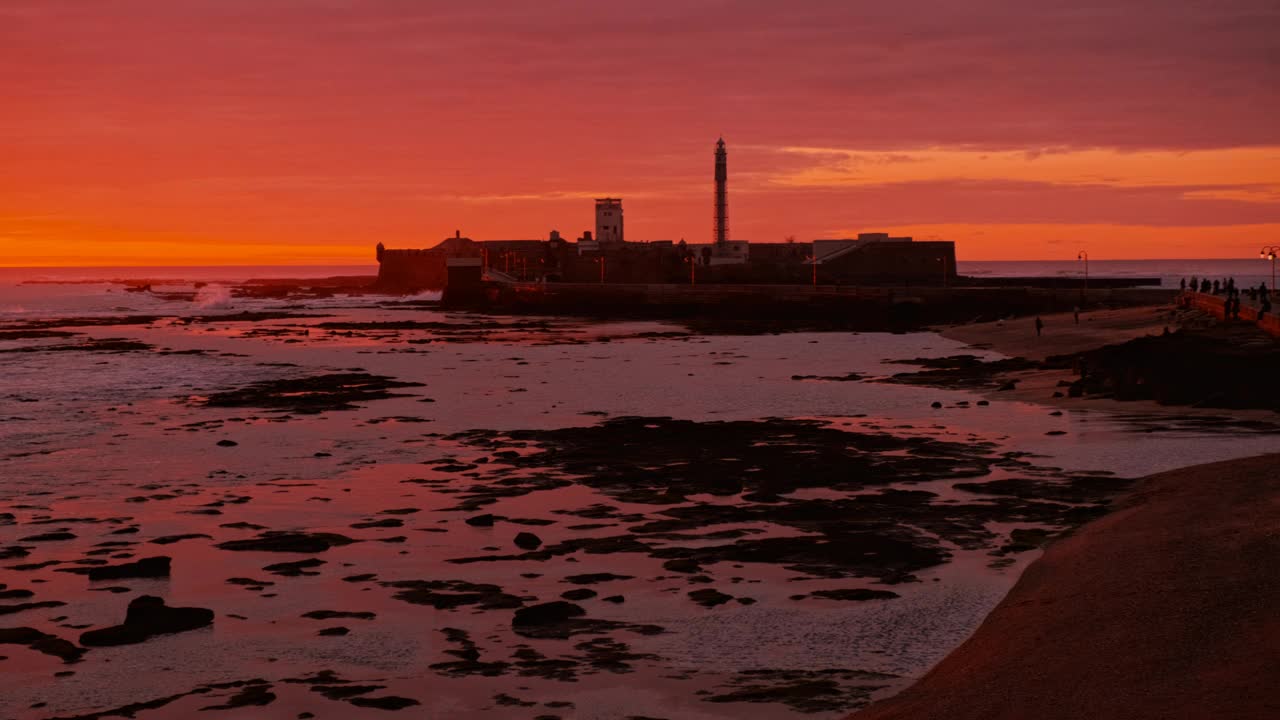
<point x="97" y="441"/>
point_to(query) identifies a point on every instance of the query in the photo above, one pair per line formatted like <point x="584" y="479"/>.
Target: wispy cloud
<point x="1250" y="174"/>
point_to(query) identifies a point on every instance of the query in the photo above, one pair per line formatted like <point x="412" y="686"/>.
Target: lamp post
<point x="1084" y="255"/>
<point x="813" y="260"/>
<point x="601" y="261"/>
<point x="693" y="269"/>
<point x="1269" y="253"/>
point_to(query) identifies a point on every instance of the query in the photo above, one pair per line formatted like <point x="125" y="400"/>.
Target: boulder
<point x="546" y="614"/>
<point x="147" y="617"/>
<point x="528" y="541"/>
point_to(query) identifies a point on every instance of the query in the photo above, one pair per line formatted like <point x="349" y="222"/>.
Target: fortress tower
<point x="722" y="209"/>
<point x="609" y="220"/>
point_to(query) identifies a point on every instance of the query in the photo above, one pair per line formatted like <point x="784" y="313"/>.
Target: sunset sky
<point x="305" y="131"/>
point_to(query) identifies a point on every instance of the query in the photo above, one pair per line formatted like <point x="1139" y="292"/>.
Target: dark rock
<point x="297" y="568"/>
<point x="334" y="631"/>
<point x="855" y="594"/>
<point x="709" y="597"/>
<point x="227" y="443"/>
<point x="41" y="642"/>
<point x="288" y="541"/>
<point x="146" y="617"/>
<point x="249" y="582"/>
<point x="337" y="614"/>
<point x="546" y="614"/>
<point x="682" y="565"/>
<point x="315" y="394"/>
<point x="450" y="594"/>
<point x="383" y="523"/>
<point x="1230" y="366"/>
<point x="255" y="694"/>
<point x="485" y="520"/>
<point x="20" y="607"/>
<point x="1024" y="539"/>
<point x="593" y="578"/>
<point x="48" y="537"/>
<point x="152" y="567"/>
<point x="578" y="594"/>
<point x="386" y="702"/>
<point x="170" y="539"/>
<point x="527" y="541"/>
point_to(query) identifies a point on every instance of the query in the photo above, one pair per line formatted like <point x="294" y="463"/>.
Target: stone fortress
<point x="604" y="255"/>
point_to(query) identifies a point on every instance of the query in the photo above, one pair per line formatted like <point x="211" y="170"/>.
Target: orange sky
<point x="306" y="131"/>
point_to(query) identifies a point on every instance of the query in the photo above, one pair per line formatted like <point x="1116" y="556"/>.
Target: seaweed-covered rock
<point x="527" y="541"/>
<point x="152" y="567"/>
<point x="546" y="614"/>
<point x="41" y="642"/>
<point x="314" y="394"/>
<point x="147" y="617"/>
<point x="288" y="541"/>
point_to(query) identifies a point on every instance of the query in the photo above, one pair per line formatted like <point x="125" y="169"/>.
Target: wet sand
<point x="1061" y="335"/>
<point x="1164" y="608"/>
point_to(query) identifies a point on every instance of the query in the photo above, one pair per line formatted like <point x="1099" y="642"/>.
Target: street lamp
<point x="1269" y="253"/>
<point x="813" y="260"/>
<point x="601" y="261"/>
<point x="1084" y="255"/>
<point x="693" y="269"/>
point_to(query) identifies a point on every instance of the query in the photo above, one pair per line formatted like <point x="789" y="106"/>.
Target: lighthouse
<point x="722" y="209"/>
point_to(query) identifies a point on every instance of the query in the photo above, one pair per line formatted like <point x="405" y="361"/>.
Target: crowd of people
<point x="1260" y="294"/>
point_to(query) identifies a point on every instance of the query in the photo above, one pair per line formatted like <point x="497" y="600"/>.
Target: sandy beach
<point x="1062" y="335"/>
<point x="1164" y="608"/>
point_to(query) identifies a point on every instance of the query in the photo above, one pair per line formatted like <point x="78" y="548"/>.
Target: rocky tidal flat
<point x="351" y="508"/>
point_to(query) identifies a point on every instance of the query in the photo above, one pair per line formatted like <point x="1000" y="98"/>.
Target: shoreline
<point x="1016" y="338"/>
<point x="1179" y="629"/>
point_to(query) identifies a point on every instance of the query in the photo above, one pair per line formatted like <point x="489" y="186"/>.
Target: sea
<point x="185" y="425"/>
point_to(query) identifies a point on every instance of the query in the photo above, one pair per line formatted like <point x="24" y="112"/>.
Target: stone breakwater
<point x="768" y="308"/>
<point x="1215" y="305"/>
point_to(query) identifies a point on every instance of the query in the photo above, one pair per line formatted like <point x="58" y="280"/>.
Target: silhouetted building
<point x="609" y="221"/>
<point x="874" y="258"/>
<point x="869" y="259"/>
<point x="423" y="268"/>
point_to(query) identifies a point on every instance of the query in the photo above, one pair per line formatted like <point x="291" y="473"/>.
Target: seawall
<point x="1216" y="306"/>
<point x="804" y="306"/>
